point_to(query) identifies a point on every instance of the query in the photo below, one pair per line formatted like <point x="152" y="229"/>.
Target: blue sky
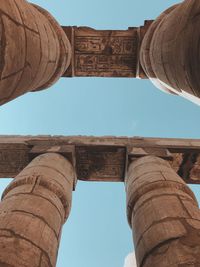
<point x="97" y="233"/>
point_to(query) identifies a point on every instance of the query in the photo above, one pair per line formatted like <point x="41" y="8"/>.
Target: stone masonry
<point x="34" y="52"/>
<point x="163" y="214"/>
<point x="170" y="49"/>
<point x="161" y="209"/>
<point x="33" y="210"/>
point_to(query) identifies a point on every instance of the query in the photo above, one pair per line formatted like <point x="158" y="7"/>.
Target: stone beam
<point x="37" y="51"/>
<point x="101" y="158"/>
<point x="105" y="53"/>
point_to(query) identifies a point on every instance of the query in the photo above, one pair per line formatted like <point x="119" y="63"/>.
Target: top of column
<point x="35" y="51"/>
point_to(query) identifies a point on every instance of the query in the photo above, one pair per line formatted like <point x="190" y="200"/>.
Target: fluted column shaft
<point x="33" y="210"/>
<point x="35" y="51"/>
<point x="163" y="214"/>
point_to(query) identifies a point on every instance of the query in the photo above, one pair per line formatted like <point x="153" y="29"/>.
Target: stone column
<point x="35" y="52"/>
<point x="163" y="214"/>
<point x="170" y="50"/>
<point x="33" y="210"/>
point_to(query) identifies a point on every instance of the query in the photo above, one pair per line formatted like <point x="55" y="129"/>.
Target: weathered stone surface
<point x="33" y="209"/>
<point x="163" y="214"/>
<point x="100" y="158"/>
<point x="170" y="49"/>
<point x="103" y="53"/>
<point x="13" y="158"/>
<point x="101" y="163"/>
<point x="34" y="52"/>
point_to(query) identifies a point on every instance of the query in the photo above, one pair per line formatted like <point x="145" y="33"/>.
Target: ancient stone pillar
<point x="163" y="214"/>
<point x="33" y="210"/>
<point x="35" y="51"/>
<point x="170" y="50"/>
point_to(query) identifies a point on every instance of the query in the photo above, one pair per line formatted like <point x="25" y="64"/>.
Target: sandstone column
<point x="35" y="51"/>
<point x="33" y="209"/>
<point x="170" y="50"/>
<point x="163" y="214"/>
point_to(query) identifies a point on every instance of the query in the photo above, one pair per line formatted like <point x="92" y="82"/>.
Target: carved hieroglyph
<point x="163" y="214"/>
<point x="101" y="158"/>
<point x="34" y="52"/>
<point x="33" y="210"/>
<point x="161" y="208"/>
<point x="101" y="162"/>
<point x="103" y="53"/>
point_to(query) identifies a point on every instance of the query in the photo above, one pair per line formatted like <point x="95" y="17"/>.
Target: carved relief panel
<point x="103" y="53"/>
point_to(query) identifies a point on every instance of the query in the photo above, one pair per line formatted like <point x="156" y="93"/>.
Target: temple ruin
<point x="161" y="209"/>
<point x="36" y="51"/>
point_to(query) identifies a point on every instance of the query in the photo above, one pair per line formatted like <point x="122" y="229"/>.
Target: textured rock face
<point x="34" y="51"/>
<point x="163" y="214"/>
<point x="170" y="49"/>
<point x="34" y="208"/>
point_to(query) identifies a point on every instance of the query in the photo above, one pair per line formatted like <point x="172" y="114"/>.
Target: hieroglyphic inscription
<point x="13" y="158"/>
<point x="101" y="158"/>
<point x="96" y="163"/>
<point x="105" y="53"/>
<point x="193" y="166"/>
<point x="187" y="165"/>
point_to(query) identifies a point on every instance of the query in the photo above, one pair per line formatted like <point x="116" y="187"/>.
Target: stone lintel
<point x="100" y="158"/>
<point x="105" y="53"/>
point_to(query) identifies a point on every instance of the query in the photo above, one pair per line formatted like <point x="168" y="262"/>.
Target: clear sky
<point x="97" y="233"/>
